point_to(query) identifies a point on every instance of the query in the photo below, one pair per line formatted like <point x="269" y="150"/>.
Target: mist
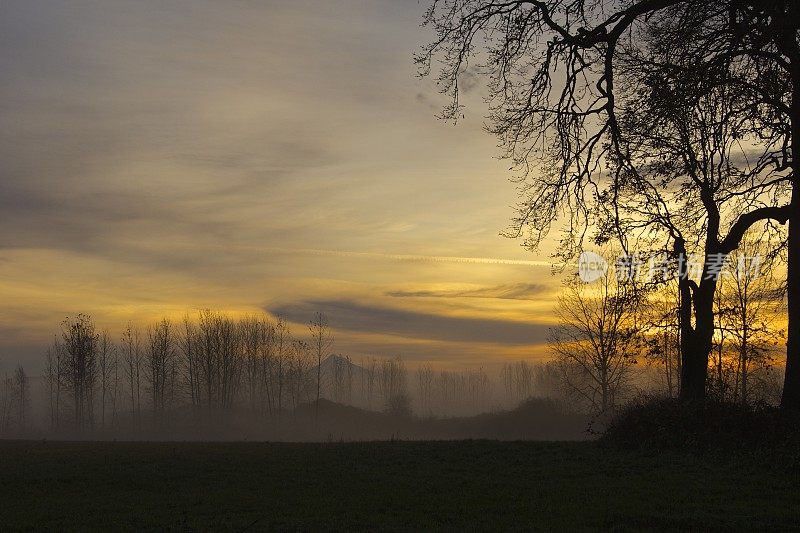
<point x="215" y="377"/>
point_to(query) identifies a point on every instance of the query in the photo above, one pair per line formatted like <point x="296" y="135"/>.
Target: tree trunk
<point x="790" y="399"/>
<point x="743" y="365"/>
<point x="668" y="362"/>
<point x="694" y="368"/>
<point x="696" y="342"/>
<point x="791" y="384"/>
<point x="319" y="376"/>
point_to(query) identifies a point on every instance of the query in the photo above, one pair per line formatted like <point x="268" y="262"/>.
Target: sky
<point x="157" y="158"/>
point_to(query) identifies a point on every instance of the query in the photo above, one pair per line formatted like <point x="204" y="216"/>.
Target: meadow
<point x="486" y="485"/>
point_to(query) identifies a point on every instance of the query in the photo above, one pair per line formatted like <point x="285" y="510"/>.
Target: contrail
<point x="415" y="257"/>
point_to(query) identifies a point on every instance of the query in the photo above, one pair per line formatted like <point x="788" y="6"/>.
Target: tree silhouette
<point x="321" y="343"/>
<point x="80" y="342"/>
<point x="561" y="74"/>
<point x="596" y="340"/>
<point x="687" y="181"/>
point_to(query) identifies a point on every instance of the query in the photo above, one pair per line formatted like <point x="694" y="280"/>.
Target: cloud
<point x="439" y="353"/>
<point x="159" y="156"/>
<point x="415" y="257"/>
<point x="512" y="291"/>
<point x="355" y="316"/>
<point x="468" y="79"/>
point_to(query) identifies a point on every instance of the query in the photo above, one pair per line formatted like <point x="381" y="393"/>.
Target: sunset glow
<point x="276" y="158"/>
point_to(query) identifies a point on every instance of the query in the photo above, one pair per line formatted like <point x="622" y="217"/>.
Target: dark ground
<point x="386" y="485"/>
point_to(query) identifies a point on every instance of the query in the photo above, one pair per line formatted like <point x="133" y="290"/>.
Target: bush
<point x="399" y="405"/>
<point x="657" y="423"/>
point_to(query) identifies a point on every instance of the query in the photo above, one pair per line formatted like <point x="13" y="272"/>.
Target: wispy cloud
<point x="416" y="257"/>
<point x="512" y="291"/>
<point x="368" y="318"/>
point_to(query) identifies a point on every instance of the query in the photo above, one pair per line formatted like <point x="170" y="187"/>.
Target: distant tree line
<point x="211" y="362"/>
<point x="14" y="402"/>
<point x="208" y="362"/>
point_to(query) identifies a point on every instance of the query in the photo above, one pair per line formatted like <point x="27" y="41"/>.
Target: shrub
<point x="399" y="405"/>
<point x="657" y="423"/>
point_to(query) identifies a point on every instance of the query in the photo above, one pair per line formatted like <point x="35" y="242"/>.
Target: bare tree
<point x="54" y="366"/>
<point x="282" y="353"/>
<point x="161" y="368"/>
<point x="22" y="397"/>
<point x="368" y="382"/>
<point x="447" y="391"/>
<point x="321" y="342"/>
<point x="547" y="380"/>
<point x="257" y="343"/>
<point x="189" y="343"/>
<point x="518" y="380"/>
<point x="80" y="363"/>
<point x="425" y="388"/>
<point x="251" y="332"/>
<point x="661" y="321"/>
<point x="116" y="388"/>
<point x="478" y="386"/>
<point x="228" y="360"/>
<point x="219" y="361"/>
<point x="595" y="342"/>
<point x="394" y="386"/>
<point x="298" y="376"/>
<point x="132" y="359"/>
<point x="341" y="380"/>
<point x="107" y="367"/>
<point x="686" y="180"/>
<point x="6" y="403"/>
<point x="267" y="360"/>
<point x="749" y="298"/>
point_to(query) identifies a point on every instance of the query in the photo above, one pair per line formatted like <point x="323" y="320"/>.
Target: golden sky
<point x="161" y="157"/>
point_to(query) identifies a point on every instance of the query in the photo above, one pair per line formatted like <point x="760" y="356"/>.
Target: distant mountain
<point x="338" y="363"/>
<point x="338" y="375"/>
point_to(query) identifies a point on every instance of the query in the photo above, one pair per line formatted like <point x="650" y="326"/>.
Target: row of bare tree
<point x="388" y="385"/>
<point x="211" y="361"/>
<point x="14" y="402"/>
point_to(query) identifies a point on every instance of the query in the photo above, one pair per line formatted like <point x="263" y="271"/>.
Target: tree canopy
<point x="671" y="120"/>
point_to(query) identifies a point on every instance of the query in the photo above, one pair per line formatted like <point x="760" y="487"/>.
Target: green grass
<point x="388" y="485"/>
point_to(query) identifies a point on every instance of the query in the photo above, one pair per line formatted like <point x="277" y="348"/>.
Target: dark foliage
<point x="660" y="424"/>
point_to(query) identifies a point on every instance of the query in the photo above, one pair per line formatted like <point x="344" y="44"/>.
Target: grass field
<point x="387" y="485"/>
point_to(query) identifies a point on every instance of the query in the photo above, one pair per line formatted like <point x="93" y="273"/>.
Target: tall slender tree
<point x="321" y="343"/>
<point x="597" y="340"/>
<point x="132" y="359"/>
<point x="80" y="341"/>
